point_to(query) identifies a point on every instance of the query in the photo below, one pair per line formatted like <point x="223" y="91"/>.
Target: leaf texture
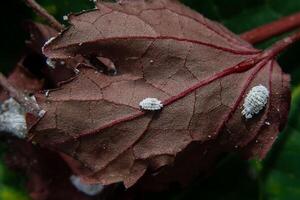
<point x="198" y="69"/>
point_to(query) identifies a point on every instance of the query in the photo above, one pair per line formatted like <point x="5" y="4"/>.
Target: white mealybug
<point x="88" y="189"/>
<point x="255" y="101"/>
<point x="12" y="119"/>
<point x="151" y="104"/>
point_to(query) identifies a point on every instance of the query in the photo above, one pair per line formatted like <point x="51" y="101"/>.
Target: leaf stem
<point x="27" y="102"/>
<point x="39" y="10"/>
<point x="281" y="45"/>
<point x="267" y="31"/>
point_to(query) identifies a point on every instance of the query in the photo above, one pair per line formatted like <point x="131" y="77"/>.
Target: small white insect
<point x="255" y="101"/>
<point x="151" y="104"/>
<point x="12" y="119"/>
<point x="88" y="189"/>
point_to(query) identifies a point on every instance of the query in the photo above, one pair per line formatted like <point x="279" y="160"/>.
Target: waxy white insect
<point x="12" y="119"/>
<point x="255" y="101"/>
<point x="88" y="189"/>
<point x="151" y="104"/>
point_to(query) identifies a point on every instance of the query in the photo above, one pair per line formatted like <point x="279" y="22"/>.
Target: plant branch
<point x="281" y="45"/>
<point x="39" y="10"/>
<point x="267" y="31"/>
<point x="27" y="102"/>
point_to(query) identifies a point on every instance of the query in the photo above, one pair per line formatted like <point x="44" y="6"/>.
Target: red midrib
<point x="235" y="69"/>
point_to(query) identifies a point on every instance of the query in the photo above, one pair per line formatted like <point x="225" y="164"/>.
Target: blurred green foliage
<point x="11" y="184"/>
<point x="276" y="178"/>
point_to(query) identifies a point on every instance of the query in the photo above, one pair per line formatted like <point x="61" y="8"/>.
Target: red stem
<point x="267" y="31"/>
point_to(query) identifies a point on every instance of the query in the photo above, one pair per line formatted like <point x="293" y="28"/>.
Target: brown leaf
<point x="161" y="49"/>
<point x="36" y="62"/>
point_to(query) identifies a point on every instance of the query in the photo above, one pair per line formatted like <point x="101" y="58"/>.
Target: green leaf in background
<point x="276" y="178"/>
<point x="11" y="184"/>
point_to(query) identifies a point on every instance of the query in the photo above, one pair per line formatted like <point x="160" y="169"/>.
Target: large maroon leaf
<point x="196" y="67"/>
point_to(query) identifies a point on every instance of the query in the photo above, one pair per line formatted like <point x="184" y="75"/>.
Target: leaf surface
<point x="162" y="49"/>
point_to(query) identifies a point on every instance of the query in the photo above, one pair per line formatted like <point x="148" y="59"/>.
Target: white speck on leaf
<point x="76" y="71"/>
<point x="12" y="119"/>
<point x="51" y="63"/>
<point x="151" y="104"/>
<point x="255" y="101"/>
<point x="88" y="189"/>
<point x="268" y="123"/>
<point x="47" y="93"/>
<point x="65" y="18"/>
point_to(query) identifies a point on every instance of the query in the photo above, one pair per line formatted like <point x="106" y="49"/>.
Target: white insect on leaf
<point x="151" y="104"/>
<point x="12" y="119"/>
<point x="255" y="101"/>
<point x="88" y="189"/>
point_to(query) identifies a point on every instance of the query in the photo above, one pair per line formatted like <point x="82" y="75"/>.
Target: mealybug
<point x="12" y="119"/>
<point x="255" y="101"/>
<point x="151" y="104"/>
